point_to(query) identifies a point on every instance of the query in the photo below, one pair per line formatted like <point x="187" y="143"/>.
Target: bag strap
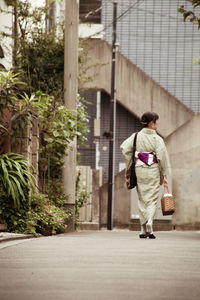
<point x="134" y="146"/>
<point x="166" y="189"/>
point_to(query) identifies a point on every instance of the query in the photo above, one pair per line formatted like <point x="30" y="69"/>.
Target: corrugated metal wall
<point x="154" y="37"/>
<point x="87" y="155"/>
<point x="126" y="125"/>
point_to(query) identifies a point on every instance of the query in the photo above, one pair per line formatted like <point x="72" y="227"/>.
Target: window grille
<point x="153" y="36"/>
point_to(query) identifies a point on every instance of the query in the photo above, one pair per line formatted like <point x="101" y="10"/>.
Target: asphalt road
<point x="102" y="265"/>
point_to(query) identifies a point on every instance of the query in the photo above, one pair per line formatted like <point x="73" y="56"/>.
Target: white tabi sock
<point x="149" y="226"/>
<point x="143" y="229"/>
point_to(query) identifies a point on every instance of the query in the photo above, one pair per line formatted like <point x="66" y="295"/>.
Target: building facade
<point x="6" y="41"/>
<point x="152" y="35"/>
<point x="126" y="124"/>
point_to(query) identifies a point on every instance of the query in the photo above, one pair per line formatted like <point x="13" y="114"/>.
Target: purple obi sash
<point x="148" y="158"/>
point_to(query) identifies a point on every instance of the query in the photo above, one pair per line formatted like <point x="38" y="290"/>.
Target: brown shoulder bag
<point x="130" y="175"/>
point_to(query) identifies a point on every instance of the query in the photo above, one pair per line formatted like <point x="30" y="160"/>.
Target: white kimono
<point x="150" y="177"/>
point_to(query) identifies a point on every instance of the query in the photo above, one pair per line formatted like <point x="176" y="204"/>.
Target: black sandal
<point x="142" y="236"/>
<point x="151" y="236"/>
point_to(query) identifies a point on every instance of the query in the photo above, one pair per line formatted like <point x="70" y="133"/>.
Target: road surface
<point x="102" y="265"/>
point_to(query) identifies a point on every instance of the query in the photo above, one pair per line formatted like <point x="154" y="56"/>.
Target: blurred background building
<point x="157" y="73"/>
<point x="6" y="43"/>
<point x="153" y="36"/>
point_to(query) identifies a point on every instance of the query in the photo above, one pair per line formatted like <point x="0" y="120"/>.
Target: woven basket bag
<point x="167" y="203"/>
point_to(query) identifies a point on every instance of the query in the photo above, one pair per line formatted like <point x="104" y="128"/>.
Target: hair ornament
<point x="144" y="123"/>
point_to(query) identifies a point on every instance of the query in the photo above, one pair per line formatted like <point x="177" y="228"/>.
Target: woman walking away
<point x="152" y="167"/>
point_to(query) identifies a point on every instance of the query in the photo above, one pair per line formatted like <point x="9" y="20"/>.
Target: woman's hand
<point x="165" y="181"/>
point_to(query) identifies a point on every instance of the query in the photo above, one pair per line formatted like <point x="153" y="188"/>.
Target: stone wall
<point x="28" y="146"/>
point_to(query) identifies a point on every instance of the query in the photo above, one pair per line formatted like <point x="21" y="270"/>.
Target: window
<point x="90" y="8"/>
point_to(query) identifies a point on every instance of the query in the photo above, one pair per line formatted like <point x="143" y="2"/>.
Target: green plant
<point x="9" y="83"/>
<point x="82" y="121"/>
<point x="16" y="183"/>
<point x="19" y="105"/>
<point x="44" y="214"/>
<point x="42" y="60"/>
<point x="40" y="57"/>
<point x="14" y="218"/>
<point x="16" y="177"/>
<point x="191" y="15"/>
<point x="3" y="131"/>
<point x="9" y="90"/>
<point x="58" y="129"/>
<point x="23" y="113"/>
<point x="56" y="195"/>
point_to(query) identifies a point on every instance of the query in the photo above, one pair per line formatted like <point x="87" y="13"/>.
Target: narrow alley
<point x="101" y="265"/>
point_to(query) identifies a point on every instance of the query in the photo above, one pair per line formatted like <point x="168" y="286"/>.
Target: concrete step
<point x="88" y="226"/>
<point x="9" y="236"/>
<point x="188" y="227"/>
<point x="158" y="225"/>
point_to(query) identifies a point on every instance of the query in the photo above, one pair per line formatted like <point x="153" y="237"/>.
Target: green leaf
<point x="56" y="133"/>
<point x="18" y="186"/>
<point x="13" y="192"/>
<point x="187" y="14"/>
<point x="48" y="139"/>
<point x="4" y="174"/>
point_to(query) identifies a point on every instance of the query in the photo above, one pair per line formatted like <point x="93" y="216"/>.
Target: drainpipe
<point x="97" y="130"/>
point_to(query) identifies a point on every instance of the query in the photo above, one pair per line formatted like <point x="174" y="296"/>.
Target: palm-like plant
<point x="9" y="87"/>
<point x="16" y="177"/>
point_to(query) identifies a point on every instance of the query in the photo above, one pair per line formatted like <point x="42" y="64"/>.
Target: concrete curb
<point x="6" y="236"/>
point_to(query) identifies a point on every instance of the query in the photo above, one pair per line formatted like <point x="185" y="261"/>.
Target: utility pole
<point x="70" y="96"/>
<point x="111" y="172"/>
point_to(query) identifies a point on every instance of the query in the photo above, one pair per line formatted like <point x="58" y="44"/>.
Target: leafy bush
<point x="15" y="177"/>
<point x="56" y="195"/>
<point x="44" y="215"/>
<point x="14" y="218"/>
<point x="57" y="130"/>
<point x="16" y="182"/>
<point x="40" y="56"/>
<point x="9" y="94"/>
<point x="9" y="83"/>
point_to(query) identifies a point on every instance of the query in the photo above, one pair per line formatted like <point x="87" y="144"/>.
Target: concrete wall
<point x="136" y="91"/>
<point x="126" y="207"/>
<point x="184" y="148"/>
<point x="90" y="181"/>
<point x="121" y="204"/>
